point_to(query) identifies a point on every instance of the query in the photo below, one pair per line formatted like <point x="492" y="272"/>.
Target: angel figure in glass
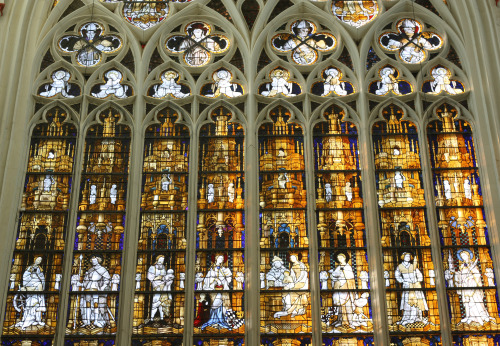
<point x="198" y="44"/>
<point x="112" y="86"/>
<point x="222" y="85"/>
<point x="304" y="42"/>
<point x="60" y="85"/>
<point x="169" y="86"/>
<point x="280" y="84"/>
<point x="411" y="41"/>
<point x="442" y="82"/>
<point x="332" y="84"/>
<point x="90" y="45"/>
<point x="390" y="82"/>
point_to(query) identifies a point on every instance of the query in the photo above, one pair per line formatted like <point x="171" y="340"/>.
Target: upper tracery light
<point x="280" y="84"/>
<point x="411" y="41"/>
<point x="113" y="86"/>
<point x="60" y="85"/>
<point x="91" y="44"/>
<point x="442" y="82"/>
<point x="170" y="86"/>
<point x="198" y="44"/>
<point x="355" y="12"/>
<point x="332" y="84"/>
<point x="390" y="82"/>
<point x="304" y="42"/>
<point x="222" y="85"/>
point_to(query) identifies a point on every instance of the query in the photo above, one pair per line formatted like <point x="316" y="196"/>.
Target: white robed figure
<point x="344" y="301"/>
<point x="468" y="275"/>
<point x="161" y="280"/>
<point x="217" y="278"/>
<point x="295" y="303"/>
<point x="34" y="305"/>
<point x="413" y="303"/>
<point x="94" y="306"/>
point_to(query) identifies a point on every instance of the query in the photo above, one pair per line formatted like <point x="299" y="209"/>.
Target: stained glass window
<point x="36" y="269"/>
<point x="220" y="230"/>
<point x="211" y="97"/>
<point x="161" y="268"/>
<point x="465" y="244"/>
<point x="409" y="274"/>
<point x="343" y="263"/>
<point x="96" y="270"/>
<point x="284" y="245"/>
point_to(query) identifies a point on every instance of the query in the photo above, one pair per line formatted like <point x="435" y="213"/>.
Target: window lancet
<point x="220" y="231"/>
<point x="470" y="279"/>
<point x="284" y="270"/>
<point x="36" y="272"/>
<point x="96" y="272"/>
<point x="343" y="265"/>
<point x="161" y="261"/>
<point x="408" y="268"/>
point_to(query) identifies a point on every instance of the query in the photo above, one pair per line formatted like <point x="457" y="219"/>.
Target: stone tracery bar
<point x="284" y="270"/>
<point x="463" y="230"/>
<point x="408" y="269"/>
<point x="96" y="272"/>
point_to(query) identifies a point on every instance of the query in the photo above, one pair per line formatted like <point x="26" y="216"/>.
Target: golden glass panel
<point x="467" y="262"/>
<point x="408" y="268"/>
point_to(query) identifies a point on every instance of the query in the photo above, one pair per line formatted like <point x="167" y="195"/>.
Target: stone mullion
<point x="71" y="232"/>
<point x="252" y="234"/>
<point x="132" y="229"/>
<point x="190" y="227"/>
<point x="433" y="229"/>
<point x="373" y="243"/>
<point x="312" y="230"/>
